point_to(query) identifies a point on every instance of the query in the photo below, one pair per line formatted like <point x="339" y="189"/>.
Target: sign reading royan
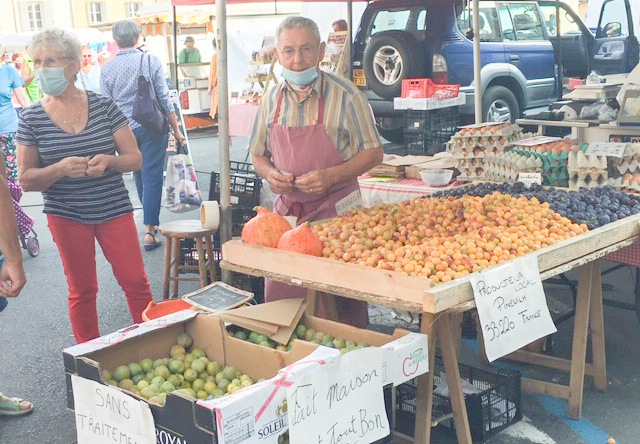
<point x="511" y="306"/>
<point x="339" y="402"/>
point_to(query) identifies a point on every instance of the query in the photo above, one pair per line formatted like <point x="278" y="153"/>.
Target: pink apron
<point x="299" y="150"/>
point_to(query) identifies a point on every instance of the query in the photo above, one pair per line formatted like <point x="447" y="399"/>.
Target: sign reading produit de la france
<point x="511" y="306"/>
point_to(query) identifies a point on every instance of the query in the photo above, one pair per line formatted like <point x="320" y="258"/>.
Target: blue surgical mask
<point x="300" y="78"/>
<point x="52" y="80"/>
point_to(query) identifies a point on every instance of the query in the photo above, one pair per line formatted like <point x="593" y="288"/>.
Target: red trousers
<point x="118" y="239"/>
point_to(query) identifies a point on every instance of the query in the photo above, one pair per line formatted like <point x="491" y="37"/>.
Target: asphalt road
<point x="35" y="328"/>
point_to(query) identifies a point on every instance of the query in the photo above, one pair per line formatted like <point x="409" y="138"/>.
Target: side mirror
<point x="613" y="29"/>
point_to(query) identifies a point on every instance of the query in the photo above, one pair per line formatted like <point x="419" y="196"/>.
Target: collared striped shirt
<point x="347" y="116"/>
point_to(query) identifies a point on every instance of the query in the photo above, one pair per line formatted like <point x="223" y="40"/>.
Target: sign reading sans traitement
<point x="339" y="402"/>
<point x="511" y="306"/>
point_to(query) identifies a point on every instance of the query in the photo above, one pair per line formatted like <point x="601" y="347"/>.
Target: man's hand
<point x="74" y="166"/>
<point x="12" y="279"/>
<point x="280" y="182"/>
<point x="314" y="182"/>
<point x="99" y="164"/>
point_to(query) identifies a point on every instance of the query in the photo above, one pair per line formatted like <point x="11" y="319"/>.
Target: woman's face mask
<point x="52" y="80"/>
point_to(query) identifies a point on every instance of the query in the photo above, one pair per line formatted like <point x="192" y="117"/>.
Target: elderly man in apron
<point x="313" y="136"/>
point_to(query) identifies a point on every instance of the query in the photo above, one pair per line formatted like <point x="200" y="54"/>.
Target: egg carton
<point x="472" y="162"/>
<point x="632" y="168"/>
<point x="488" y="129"/>
<point x="578" y="161"/>
<point x="468" y="153"/>
<point x="615" y="182"/>
<point x="631" y="150"/>
<point x="587" y="180"/>
<point x="554" y="146"/>
<point x="472" y="174"/>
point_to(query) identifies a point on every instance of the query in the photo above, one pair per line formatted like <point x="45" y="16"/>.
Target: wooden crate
<point x="399" y="290"/>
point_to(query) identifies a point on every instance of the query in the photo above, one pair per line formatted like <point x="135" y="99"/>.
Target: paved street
<point x="35" y="328"/>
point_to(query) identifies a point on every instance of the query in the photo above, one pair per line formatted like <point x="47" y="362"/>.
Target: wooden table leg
<point x="597" y="332"/>
<point x="202" y="269"/>
<point x="580" y="333"/>
<point x="211" y="262"/>
<point x="167" y="268"/>
<point x="176" y="266"/>
<point x="424" y="401"/>
<point x="452" y="371"/>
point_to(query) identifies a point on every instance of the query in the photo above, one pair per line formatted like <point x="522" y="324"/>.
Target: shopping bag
<point x="181" y="192"/>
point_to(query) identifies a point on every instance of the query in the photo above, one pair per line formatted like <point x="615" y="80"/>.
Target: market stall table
<point x="241" y="118"/>
<point x="378" y="191"/>
<point x="440" y="304"/>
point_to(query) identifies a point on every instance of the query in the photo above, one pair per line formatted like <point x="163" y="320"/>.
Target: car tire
<point x="394" y="135"/>
<point x="499" y="104"/>
<point x="388" y="58"/>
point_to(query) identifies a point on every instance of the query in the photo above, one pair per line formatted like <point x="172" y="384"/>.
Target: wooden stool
<point x="174" y="232"/>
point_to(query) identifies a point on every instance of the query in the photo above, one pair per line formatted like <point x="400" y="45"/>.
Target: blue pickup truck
<point x="400" y="39"/>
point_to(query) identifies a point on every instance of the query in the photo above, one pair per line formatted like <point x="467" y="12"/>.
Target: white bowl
<point x="436" y="178"/>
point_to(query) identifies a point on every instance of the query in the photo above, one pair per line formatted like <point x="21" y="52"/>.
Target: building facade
<point x="33" y="15"/>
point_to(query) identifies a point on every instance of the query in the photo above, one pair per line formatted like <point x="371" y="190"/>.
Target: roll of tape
<point x="210" y="214"/>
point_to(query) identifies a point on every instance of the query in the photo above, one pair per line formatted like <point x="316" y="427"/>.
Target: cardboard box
<point x="405" y="353"/>
<point x="185" y="420"/>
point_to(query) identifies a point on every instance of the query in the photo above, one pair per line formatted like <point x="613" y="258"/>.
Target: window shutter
<point x="24" y="17"/>
<point x="47" y="15"/>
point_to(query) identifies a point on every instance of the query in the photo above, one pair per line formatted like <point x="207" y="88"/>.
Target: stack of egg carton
<point x="624" y="172"/>
<point x="472" y="143"/>
<point x="586" y="171"/>
<point x="554" y="153"/>
<point x="506" y="167"/>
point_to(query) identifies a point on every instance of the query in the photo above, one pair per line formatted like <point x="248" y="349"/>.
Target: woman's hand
<point x="99" y="164"/>
<point x="74" y="166"/>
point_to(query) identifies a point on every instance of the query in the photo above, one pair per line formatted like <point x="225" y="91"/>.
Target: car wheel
<point x="392" y="135"/>
<point x="499" y="105"/>
<point x="389" y="58"/>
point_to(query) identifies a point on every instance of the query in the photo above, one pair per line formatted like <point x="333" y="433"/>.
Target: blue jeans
<point x="149" y="180"/>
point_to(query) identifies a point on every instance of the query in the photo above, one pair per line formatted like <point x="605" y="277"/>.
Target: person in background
<point x="10" y="83"/>
<point x="12" y="279"/>
<point x="27" y="72"/>
<point x="213" y="81"/>
<point x="340" y="25"/>
<point x="73" y="146"/>
<point x="190" y="53"/>
<point x="313" y="136"/>
<point x="89" y="75"/>
<point x="119" y="81"/>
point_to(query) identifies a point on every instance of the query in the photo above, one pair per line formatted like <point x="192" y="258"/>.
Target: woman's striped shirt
<point x="85" y="199"/>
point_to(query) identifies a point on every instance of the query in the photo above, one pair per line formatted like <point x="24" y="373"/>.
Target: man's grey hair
<point x="296" y="22"/>
<point x="126" y="33"/>
<point x="58" y="40"/>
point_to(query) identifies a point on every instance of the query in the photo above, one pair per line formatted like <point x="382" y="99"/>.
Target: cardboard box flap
<point x="128" y="333"/>
<point x="282" y="312"/>
<point x="263" y="328"/>
<point x="284" y="333"/>
<point x="406" y="160"/>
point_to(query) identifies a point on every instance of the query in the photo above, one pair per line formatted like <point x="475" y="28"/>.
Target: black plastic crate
<point x="245" y="191"/>
<point x="426" y="132"/>
<point x="495" y="406"/>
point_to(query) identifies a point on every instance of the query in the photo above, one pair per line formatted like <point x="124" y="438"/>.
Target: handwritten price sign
<point x="610" y="149"/>
<point x="512" y="306"/>
<point x="339" y="402"/>
<point x="530" y="178"/>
